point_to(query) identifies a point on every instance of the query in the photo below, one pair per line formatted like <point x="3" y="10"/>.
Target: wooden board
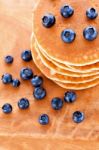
<point x="20" y="130"/>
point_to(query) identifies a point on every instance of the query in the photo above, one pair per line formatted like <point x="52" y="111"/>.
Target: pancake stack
<point x="73" y="64"/>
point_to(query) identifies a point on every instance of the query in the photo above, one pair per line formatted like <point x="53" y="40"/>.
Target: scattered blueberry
<point x="8" y="59"/>
<point x="91" y="13"/>
<point x="78" y="116"/>
<point x="39" y="93"/>
<point x="44" y="119"/>
<point x="26" y="73"/>
<point x="37" y="81"/>
<point x="90" y="33"/>
<point x="57" y="103"/>
<point x="26" y="55"/>
<point x="23" y="103"/>
<point x="68" y="35"/>
<point x="70" y="96"/>
<point x="48" y="20"/>
<point x="6" y="78"/>
<point x="7" y="108"/>
<point x="15" y="83"/>
<point x="67" y="11"/>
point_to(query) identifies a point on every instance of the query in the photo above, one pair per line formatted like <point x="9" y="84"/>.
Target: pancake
<point x="75" y="54"/>
<point x="76" y="86"/>
<point x="51" y="66"/>
<point x="55" y="76"/>
<point x="87" y="70"/>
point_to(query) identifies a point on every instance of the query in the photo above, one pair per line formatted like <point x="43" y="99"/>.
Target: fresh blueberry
<point x="6" y="78"/>
<point x="68" y="35"/>
<point x="67" y="11"/>
<point x="39" y="93"/>
<point x="90" y="33"/>
<point x="7" y="108"/>
<point x="78" y="116"/>
<point x="23" y="103"/>
<point x="16" y="83"/>
<point x="48" y="20"/>
<point x="26" y="73"/>
<point x="91" y="13"/>
<point x="37" y="81"/>
<point x="44" y="119"/>
<point x="26" y="55"/>
<point x="70" y="96"/>
<point x="57" y="103"/>
<point x="8" y="59"/>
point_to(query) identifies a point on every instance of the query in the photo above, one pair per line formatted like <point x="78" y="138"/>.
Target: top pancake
<point x="80" y="52"/>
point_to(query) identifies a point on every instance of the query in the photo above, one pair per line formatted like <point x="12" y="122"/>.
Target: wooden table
<point x="20" y="130"/>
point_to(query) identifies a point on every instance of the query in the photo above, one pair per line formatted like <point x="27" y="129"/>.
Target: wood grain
<point x="20" y="130"/>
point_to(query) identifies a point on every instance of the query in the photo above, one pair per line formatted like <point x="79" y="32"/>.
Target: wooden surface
<point x="20" y="130"/>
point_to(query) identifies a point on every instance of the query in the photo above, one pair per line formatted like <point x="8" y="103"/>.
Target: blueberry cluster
<point x="69" y="97"/>
<point x="7" y="79"/>
<point x="56" y="104"/>
<point x="39" y="92"/>
<point x="68" y="35"/>
<point x="26" y="73"/>
<point x="23" y="103"/>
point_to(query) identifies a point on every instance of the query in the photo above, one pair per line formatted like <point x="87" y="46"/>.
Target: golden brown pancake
<point x="87" y="69"/>
<point x="63" y="79"/>
<point x="49" y="40"/>
<point x="76" y="86"/>
<point x="49" y="63"/>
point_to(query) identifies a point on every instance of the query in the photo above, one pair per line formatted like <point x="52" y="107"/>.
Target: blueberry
<point x="67" y="11"/>
<point x="70" y="96"/>
<point x="26" y="73"/>
<point x="16" y="83"/>
<point x="37" y="81"/>
<point x="78" y="116"/>
<point x="26" y="55"/>
<point x="44" y="119"/>
<point x="57" y="103"/>
<point x="91" y="13"/>
<point x="48" y="20"/>
<point x="8" y="59"/>
<point x="90" y="33"/>
<point x="23" y="103"/>
<point x="7" y="108"/>
<point x="39" y="93"/>
<point x="6" y="78"/>
<point x="68" y="35"/>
